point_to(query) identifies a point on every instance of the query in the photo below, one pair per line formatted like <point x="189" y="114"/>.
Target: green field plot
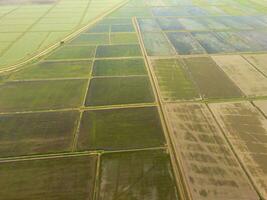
<point x="91" y="39"/>
<point x="123" y="38"/>
<point x="112" y="21"/>
<point x="129" y="12"/>
<point x="212" y="43"/>
<point x="40" y="95"/>
<point x="120" y="129"/>
<point x="118" y="51"/>
<point x="99" y="28"/>
<point x="184" y="43"/>
<point x="73" y="52"/>
<point x="119" y="90"/>
<point x="54" y="69"/>
<point x="259" y="61"/>
<point x="173" y="80"/>
<point x="123" y="67"/>
<point x="122" y="28"/>
<point x="244" y="75"/>
<point x="210" y="79"/>
<point x="49" y="179"/>
<point x="37" y="133"/>
<point x="147" y="25"/>
<point x="246" y="129"/>
<point x="150" y="176"/>
<point x="209" y="165"/>
<point x="156" y="44"/>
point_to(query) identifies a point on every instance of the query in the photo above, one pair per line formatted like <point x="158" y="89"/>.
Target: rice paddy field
<point x="133" y="100"/>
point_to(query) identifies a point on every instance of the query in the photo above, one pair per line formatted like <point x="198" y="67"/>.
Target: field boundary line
<point x="182" y="188"/>
<point x="245" y="170"/>
<point x="67" y="38"/>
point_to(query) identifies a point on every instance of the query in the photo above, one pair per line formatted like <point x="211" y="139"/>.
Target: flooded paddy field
<point x="146" y="100"/>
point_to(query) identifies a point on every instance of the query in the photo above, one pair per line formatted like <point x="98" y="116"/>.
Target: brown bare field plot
<point x="259" y="61"/>
<point x="262" y="105"/>
<point x="246" y="77"/>
<point x="246" y="129"/>
<point x="211" y="169"/>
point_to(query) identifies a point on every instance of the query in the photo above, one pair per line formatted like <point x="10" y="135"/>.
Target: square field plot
<point x="37" y="133"/>
<point x="184" y="43"/>
<point x="262" y="105"/>
<point x="49" y="179"/>
<point x="73" y="52"/>
<point x="157" y="44"/>
<point x="41" y="95"/>
<point x="120" y="129"/>
<point x="143" y="175"/>
<point x="91" y="39"/>
<point x="205" y="155"/>
<point x="246" y="129"/>
<point x="118" y="51"/>
<point x="173" y="80"/>
<point x="123" y="67"/>
<point x="245" y="76"/>
<point x="210" y="79"/>
<point x="54" y="69"/>
<point x="119" y="90"/>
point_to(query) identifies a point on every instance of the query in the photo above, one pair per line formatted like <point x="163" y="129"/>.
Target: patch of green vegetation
<point x="142" y="175"/>
<point x="37" y="133"/>
<point x="211" y="81"/>
<point x="73" y="52"/>
<point x="124" y="38"/>
<point x="49" y="179"/>
<point x="118" y="51"/>
<point x="57" y="69"/>
<point x="91" y="39"/>
<point x="41" y="95"/>
<point x="120" y="129"/>
<point x="119" y="90"/>
<point x="173" y="80"/>
<point x="123" y="67"/>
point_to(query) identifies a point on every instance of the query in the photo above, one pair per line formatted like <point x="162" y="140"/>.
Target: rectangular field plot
<point x="123" y="38"/>
<point x="210" y="79"/>
<point x="212" y="43"/>
<point x="173" y="80"/>
<point x="57" y="69"/>
<point x="209" y="166"/>
<point x="119" y="90"/>
<point x="73" y="52"/>
<point x="49" y="179"/>
<point x="246" y="77"/>
<point x="118" y="51"/>
<point x="41" y="95"/>
<point x="185" y="44"/>
<point x="148" y="25"/>
<point x="259" y="61"/>
<point x="37" y="133"/>
<point x="156" y="44"/>
<point x="150" y="176"/>
<point x="123" y="67"/>
<point x="246" y="129"/>
<point x="91" y="39"/>
<point x="120" y="129"/>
